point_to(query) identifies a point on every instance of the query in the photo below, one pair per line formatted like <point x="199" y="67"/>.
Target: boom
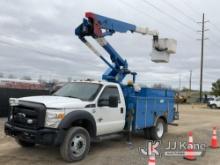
<point x="98" y="27"/>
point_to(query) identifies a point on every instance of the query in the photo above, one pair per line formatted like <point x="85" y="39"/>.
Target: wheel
<point x="76" y="144"/>
<point x="147" y="133"/>
<point x="24" y="143"/>
<point x="213" y="106"/>
<point x="158" y="131"/>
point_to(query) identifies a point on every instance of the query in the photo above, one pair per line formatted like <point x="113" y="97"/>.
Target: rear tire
<point x="76" y="144"/>
<point x="157" y="132"/>
<point x="24" y="143"/>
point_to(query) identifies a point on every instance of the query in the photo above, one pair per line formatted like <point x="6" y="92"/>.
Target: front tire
<point x="157" y="132"/>
<point x="24" y="143"/>
<point x="76" y="144"/>
<point x="213" y="106"/>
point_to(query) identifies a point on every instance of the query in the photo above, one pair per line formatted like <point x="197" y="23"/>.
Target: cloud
<point x="37" y="39"/>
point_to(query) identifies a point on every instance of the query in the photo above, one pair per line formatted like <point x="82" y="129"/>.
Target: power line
<point x="216" y="28"/>
<point x="171" y="16"/>
<point x="213" y="42"/>
<point x="158" y="20"/>
<point x="155" y="18"/>
<point x="179" y="10"/>
<point x="195" y="11"/>
<point x="145" y="13"/>
<point x="198" y="13"/>
<point x="32" y="49"/>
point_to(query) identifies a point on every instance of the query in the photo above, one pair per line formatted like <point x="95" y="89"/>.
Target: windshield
<point x="81" y="90"/>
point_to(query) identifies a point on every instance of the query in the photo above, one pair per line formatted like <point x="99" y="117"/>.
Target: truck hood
<point x="56" y="101"/>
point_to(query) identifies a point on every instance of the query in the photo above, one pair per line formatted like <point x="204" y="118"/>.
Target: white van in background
<point x="214" y="103"/>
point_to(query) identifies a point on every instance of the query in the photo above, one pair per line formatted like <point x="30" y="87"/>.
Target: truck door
<point x="218" y="102"/>
<point x="109" y="119"/>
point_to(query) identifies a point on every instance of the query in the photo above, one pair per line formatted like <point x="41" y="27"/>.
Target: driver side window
<point x="107" y="92"/>
<point x="218" y="99"/>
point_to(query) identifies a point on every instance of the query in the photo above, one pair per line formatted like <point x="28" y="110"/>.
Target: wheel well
<point x="163" y="118"/>
<point x="85" y="124"/>
<point x="165" y="121"/>
<point x="160" y="117"/>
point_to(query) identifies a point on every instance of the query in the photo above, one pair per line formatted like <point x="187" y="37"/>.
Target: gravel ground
<point x="196" y="118"/>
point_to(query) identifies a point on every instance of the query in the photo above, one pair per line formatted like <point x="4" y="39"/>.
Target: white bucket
<point x="170" y="44"/>
<point x="159" y="57"/>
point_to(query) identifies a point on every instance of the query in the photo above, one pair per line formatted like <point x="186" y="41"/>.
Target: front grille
<point x="28" y="115"/>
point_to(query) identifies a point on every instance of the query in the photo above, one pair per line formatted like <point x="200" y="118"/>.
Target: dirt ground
<point x="196" y="118"/>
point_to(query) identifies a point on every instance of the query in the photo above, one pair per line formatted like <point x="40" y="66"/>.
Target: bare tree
<point x="41" y="80"/>
<point x="161" y="86"/>
<point x="69" y="79"/>
<point x="11" y="76"/>
<point x="54" y="81"/>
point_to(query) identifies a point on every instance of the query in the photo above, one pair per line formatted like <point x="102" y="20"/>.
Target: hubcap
<point x="160" y="130"/>
<point x="78" y="145"/>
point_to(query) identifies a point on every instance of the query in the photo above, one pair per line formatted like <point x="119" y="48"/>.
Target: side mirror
<point x="103" y="102"/>
<point x="113" y="101"/>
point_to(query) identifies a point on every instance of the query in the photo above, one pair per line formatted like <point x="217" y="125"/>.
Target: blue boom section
<point x="115" y="74"/>
<point x="98" y="26"/>
<point x="149" y="104"/>
<point x="112" y="25"/>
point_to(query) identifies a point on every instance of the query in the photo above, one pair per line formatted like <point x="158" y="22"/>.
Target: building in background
<point x="15" y="88"/>
<point x="21" y="84"/>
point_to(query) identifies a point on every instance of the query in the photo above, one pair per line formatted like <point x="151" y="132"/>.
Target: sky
<point x="37" y="39"/>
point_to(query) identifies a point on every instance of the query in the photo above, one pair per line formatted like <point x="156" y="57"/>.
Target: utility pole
<point x="190" y="82"/>
<point x="180" y="82"/>
<point x="202" y="53"/>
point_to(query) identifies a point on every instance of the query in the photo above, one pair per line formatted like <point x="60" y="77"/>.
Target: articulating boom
<point x="98" y="27"/>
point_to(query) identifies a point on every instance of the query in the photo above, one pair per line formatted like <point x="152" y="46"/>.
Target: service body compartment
<point x="148" y="104"/>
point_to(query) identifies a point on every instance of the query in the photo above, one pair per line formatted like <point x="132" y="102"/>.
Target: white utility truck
<point x="85" y="111"/>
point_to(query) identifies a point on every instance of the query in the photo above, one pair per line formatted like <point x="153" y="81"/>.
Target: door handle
<point x="122" y="110"/>
<point x="100" y="119"/>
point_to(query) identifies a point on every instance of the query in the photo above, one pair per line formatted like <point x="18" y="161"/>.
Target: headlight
<point x="53" y="118"/>
<point x="13" y="102"/>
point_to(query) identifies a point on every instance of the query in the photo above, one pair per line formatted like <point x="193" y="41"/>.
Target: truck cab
<point x="95" y="107"/>
<point x="104" y="101"/>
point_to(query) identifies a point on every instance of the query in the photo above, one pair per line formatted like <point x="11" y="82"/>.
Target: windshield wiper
<point x="72" y="97"/>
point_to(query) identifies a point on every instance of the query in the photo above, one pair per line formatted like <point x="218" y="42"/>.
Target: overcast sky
<point x="37" y="39"/>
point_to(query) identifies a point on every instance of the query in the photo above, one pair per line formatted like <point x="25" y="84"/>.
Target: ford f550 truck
<point x="85" y="111"/>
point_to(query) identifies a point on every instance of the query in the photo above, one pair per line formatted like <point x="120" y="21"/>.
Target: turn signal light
<point x="60" y="116"/>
